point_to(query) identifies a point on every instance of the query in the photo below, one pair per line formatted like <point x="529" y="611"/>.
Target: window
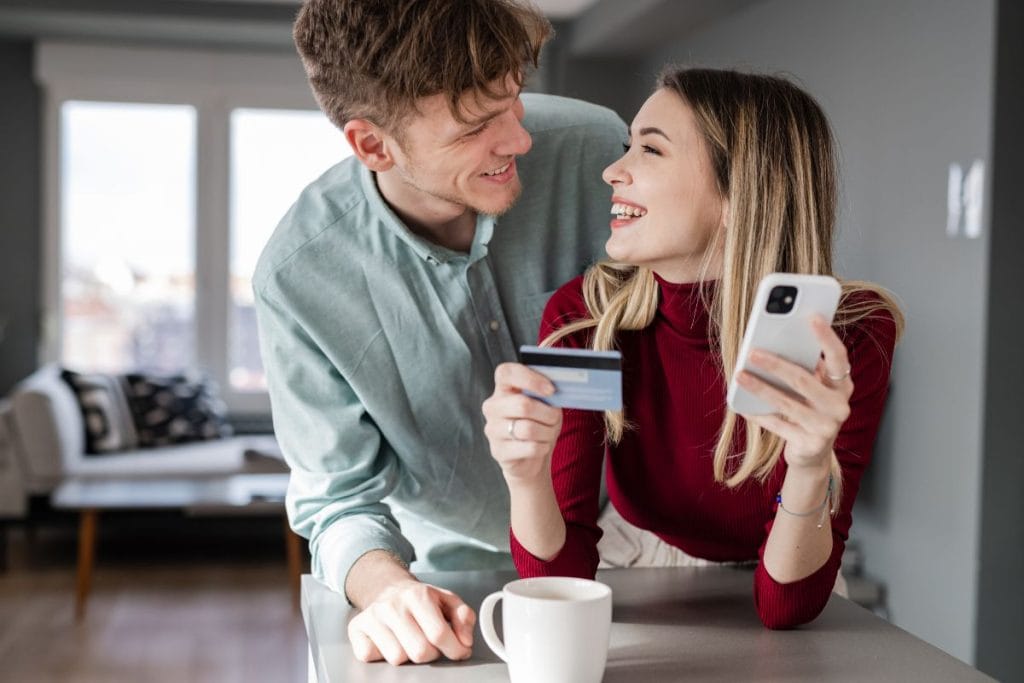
<point x="274" y="154"/>
<point x="167" y="172"/>
<point x="127" y="228"/>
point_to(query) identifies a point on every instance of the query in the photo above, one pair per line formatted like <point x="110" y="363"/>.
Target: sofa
<point x="42" y="444"/>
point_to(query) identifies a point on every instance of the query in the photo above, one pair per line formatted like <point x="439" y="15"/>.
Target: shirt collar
<point x="425" y="249"/>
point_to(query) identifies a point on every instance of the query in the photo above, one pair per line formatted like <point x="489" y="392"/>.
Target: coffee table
<point x="232" y="494"/>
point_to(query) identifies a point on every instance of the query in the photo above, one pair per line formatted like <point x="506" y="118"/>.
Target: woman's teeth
<point x="499" y="171"/>
<point x="627" y="211"/>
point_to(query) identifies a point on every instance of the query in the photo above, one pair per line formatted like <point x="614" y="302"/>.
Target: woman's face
<point x="665" y="201"/>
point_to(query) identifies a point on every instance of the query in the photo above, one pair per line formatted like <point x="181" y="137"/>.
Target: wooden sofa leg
<point x="86" y="558"/>
<point x="4" y="544"/>
<point x="293" y="548"/>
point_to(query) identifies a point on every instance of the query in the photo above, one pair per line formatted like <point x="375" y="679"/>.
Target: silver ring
<point x="841" y="377"/>
<point x="512" y="429"/>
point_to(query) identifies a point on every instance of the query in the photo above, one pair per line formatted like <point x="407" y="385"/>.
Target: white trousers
<point x="624" y="545"/>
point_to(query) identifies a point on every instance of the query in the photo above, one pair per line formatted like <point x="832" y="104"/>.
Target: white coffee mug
<point x="556" y="629"/>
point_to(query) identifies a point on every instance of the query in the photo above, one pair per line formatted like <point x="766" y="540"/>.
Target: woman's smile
<point x="625" y="212"/>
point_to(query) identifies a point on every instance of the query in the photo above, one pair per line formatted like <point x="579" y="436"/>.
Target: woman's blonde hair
<point x="771" y="150"/>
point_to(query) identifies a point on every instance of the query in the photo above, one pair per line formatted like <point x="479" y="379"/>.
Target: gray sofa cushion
<point x="187" y="461"/>
<point x="106" y="415"/>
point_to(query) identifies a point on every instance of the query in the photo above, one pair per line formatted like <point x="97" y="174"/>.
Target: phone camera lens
<point x="781" y="299"/>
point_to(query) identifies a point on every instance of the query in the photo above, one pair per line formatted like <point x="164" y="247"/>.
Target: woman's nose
<point x="616" y="173"/>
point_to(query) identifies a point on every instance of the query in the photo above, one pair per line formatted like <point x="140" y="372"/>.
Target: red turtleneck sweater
<point x="660" y="475"/>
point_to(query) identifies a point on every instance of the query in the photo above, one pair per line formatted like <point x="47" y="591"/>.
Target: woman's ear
<point x="370" y="144"/>
<point x="725" y="212"/>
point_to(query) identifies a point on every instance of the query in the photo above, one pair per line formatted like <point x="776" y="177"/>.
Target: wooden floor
<point x="190" y="619"/>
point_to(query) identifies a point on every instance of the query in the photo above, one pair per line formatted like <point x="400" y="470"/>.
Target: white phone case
<point x="785" y="334"/>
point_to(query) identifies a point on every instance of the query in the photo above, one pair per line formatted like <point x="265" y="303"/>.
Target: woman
<point x="728" y="177"/>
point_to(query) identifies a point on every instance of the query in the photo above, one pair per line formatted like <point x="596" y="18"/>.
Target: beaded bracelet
<point x="823" y="508"/>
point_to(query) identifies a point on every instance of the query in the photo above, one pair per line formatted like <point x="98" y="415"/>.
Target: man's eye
<point x="476" y="131"/>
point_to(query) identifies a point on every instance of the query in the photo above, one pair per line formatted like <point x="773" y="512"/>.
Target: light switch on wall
<point x="954" y="199"/>
<point x="974" y="197"/>
<point x="965" y="195"/>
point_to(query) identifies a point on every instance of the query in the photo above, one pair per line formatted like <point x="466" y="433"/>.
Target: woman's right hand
<point x="521" y="430"/>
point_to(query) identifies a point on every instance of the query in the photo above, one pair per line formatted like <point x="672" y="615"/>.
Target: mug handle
<point x="487" y="624"/>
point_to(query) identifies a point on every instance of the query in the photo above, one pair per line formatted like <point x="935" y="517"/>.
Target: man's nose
<point x="515" y="139"/>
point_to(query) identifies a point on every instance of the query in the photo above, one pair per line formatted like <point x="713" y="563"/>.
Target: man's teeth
<point x="627" y="210"/>
<point x="499" y="171"/>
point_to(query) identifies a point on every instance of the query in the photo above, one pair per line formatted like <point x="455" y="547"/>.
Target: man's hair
<point x="372" y="59"/>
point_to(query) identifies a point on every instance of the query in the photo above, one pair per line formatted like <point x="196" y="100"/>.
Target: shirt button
<point x="494" y="326"/>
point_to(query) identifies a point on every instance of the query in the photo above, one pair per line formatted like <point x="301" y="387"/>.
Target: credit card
<point x="583" y="379"/>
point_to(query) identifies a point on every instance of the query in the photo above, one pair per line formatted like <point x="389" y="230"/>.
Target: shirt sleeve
<point x="340" y="468"/>
<point x="575" y="465"/>
<point x="870" y="346"/>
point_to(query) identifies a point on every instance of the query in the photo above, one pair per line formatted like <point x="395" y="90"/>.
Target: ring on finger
<point x="512" y="429"/>
<point x="841" y="377"/>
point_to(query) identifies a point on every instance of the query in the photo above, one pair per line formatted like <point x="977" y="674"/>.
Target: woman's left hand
<point x="810" y="417"/>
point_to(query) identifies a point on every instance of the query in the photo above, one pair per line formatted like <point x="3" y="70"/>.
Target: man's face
<point x="447" y="166"/>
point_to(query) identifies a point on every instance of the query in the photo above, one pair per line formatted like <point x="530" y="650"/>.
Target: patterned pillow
<point x="175" y="409"/>
<point x="109" y="426"/>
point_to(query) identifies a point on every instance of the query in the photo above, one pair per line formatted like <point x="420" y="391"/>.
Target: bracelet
<point x="823" y="507"/>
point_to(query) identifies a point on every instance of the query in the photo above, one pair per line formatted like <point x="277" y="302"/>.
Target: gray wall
<point x="1000" y="597"/>
<point x="909" y="89"/>
<point x="20" y="296"/>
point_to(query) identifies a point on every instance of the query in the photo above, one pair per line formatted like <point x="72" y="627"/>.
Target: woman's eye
<point x="647" y="149"/>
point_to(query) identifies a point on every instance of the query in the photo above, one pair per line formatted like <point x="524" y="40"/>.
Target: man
<point x="402" y="277"/>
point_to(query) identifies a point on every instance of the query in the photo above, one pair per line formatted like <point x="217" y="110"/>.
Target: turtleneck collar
<point x="681" y="308"/>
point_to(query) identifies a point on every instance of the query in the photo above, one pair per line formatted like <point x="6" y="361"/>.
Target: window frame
<point x="213" y="82"/>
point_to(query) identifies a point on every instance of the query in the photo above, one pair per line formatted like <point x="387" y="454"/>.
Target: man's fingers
<point x="463" y="619"/>
<point x="409" y="633"/>
<point x="382" y="638"/>
<point x="362" y="647"/>
<point x="438" y="632"/>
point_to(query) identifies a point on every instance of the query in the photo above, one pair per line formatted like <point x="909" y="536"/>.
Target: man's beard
<point x="462" y="201"/>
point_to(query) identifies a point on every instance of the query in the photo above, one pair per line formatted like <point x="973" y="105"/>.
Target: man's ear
<point x="370" y="144"/>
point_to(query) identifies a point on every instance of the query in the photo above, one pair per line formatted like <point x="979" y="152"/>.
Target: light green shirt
<point x="380" y="347"/>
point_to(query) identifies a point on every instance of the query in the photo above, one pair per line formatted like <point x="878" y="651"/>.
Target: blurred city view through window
<point x="128" y="228"/>
<point x="274" y="154"/>
<point x="128" y="236"/>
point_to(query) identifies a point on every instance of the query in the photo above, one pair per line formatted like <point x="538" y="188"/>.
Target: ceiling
<point x="554" y="9"/>
<point x="600" y="28"/>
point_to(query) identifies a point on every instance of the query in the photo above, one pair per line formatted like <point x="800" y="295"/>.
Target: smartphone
<point x="780" y="322"/>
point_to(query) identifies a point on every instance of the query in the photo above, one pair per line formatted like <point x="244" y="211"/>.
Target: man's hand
<point x="406" y="620"/>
